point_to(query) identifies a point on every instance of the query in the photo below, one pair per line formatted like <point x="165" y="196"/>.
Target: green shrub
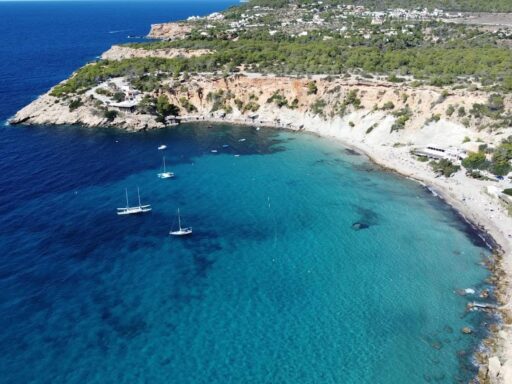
<point x="475" y="160"/>
<point x="278" y="99"/>
<point x="164" y="108"/>
<point x="434" y="118"/>
<point x="402" y="117"/>
<point x="476" y="174"/>
<point x="371" y="128"/>
<point x="103" y="91"/>
<point x="441" y="81"/>
<point x="312" y="88"/>
<point x="444" y="167"/>
<point x="500" y="163"/>
<point x="147" y="105"/>
<point x="239" y="104"/>
<point x="317" y="108"/>
<point x="189" y="107"/>
<point x="110" y="115"/>
<point x="395" y="79"/>
<point x="251" y="106"/>
<point x="352" y="99"/>
<point x="388" y="106"/>
<point x="118" y="97"/>
<point x="74" y="104"/>
<point x="495" y="103"/>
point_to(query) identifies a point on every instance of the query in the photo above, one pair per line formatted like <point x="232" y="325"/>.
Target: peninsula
<point x="426" y="92"/>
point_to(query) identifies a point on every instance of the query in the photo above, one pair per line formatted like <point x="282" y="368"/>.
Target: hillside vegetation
<point x="415" y="47"/>
<point x="436" y="66"/>
<point x="449" y="5"/>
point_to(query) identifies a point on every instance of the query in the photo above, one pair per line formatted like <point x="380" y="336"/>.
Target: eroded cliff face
<point x="367" y="110"/>
<point x="120" y="52"/>
<point x="169" y="31"/>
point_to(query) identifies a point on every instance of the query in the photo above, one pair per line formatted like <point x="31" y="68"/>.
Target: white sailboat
<point x="181" y="231"/>
<point x="162" y="147"/>
<point x="165" y="174"/>
<point x="133" y="210"/>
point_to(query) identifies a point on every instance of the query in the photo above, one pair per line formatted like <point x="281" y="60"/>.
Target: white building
<point x="436" y="152"/>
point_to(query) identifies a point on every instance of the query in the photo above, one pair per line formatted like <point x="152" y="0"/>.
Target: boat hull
<point x="181" y="232"/>
<point x="133" y="210"/>
<point x="165" y="175"/>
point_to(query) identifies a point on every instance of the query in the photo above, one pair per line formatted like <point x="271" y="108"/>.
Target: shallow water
<point x="275" y="285"/>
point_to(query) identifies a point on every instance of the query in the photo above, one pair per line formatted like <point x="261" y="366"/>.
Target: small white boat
<point x="241" y="140"/>
<point x="165" y="174"/>
<point x="257" y="128"/>
<point x="133" y="210"/>
<point x="214" y="151"/>
<point x="162" y="147"/>
<point x="225" y="146"/>
<point x="237" y="155"/>
<point x="181" y="231"/>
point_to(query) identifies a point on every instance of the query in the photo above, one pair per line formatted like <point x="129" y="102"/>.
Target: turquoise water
<point x="275" y="285"/>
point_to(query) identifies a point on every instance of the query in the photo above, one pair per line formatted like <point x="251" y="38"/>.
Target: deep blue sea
<point x="276" y="285"/>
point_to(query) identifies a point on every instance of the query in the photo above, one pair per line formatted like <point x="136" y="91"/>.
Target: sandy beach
<point x="469" y="198"/>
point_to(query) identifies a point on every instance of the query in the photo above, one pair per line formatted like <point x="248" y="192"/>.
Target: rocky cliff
<point x="372" y="110"/>
<point x="120" y="52"/>
<point x="169" y="31"/>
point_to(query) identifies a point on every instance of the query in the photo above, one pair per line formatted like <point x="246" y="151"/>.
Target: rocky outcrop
<point x="169" y="31"/>
<point x="495" y="372"/>
<point x="49" y="110"/>
<point x="250" y="98"/>
<point x="120" y="52"/>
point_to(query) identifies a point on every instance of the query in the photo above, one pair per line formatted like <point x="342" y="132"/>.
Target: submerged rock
<point x="467" y="330"/>
<point x="359" y="225"/>
<point x="467" y="291"/>
<point x="351" y="152"/>
<point x="437" y="345"/>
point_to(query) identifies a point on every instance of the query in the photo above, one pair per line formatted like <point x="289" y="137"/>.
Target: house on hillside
<point x="436" y="152"/>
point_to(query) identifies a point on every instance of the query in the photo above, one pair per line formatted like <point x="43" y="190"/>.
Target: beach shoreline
<point x="455" y="192"/>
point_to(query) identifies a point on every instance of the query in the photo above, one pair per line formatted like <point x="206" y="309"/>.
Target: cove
<point x="308" y="263"/>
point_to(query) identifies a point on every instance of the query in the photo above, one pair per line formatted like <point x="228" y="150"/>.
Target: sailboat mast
<point x="126" y="192"/>
<point x="138" y="194"/>
<point x="179" y="219"/>
<point x="164" y="164"/>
